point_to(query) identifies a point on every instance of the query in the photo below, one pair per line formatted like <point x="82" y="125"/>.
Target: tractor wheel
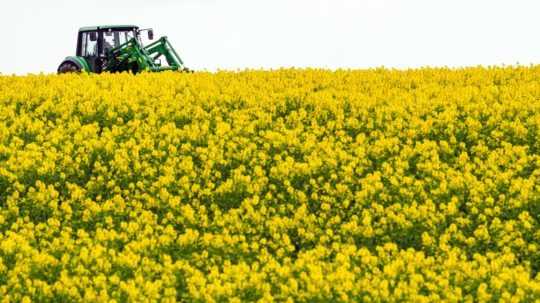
<point x="68" y="67"/>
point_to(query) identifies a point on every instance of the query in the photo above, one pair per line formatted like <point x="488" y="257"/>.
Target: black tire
<point x="68" y="67"/>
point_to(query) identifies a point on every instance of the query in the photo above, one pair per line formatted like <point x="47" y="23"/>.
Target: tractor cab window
<point x="125" y="36"/>
<point x="108" y="41"/>
<point x="113" y="39"/>
<point x="89" y="44"/>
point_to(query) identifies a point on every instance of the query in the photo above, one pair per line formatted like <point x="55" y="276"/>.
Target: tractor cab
<point x="93" y="43"/>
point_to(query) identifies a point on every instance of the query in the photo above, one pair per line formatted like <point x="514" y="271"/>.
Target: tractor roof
<point x="94" y="28"/>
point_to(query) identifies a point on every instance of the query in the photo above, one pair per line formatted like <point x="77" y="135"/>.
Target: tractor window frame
<point x="84" y="42"/>
<point x="79" y="44"/>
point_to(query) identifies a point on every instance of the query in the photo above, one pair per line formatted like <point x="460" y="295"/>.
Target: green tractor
<point x="118" y="48"/>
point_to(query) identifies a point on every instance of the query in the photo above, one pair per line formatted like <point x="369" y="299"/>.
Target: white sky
<point x="237" y="34"/>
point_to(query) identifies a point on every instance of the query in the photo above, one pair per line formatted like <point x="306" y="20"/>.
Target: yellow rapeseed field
<point x="271" y="186"/>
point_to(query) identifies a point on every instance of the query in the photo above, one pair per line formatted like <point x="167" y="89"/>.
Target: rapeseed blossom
<point x="271" y="186"/>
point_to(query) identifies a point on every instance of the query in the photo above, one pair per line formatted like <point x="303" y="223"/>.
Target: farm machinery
<point x="118" y="48"/>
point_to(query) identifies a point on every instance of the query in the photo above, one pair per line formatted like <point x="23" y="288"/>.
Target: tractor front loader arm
<point x="162" y="47"/>
<point x="131" y="56"/>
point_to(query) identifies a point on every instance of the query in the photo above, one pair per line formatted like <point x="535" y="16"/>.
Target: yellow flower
<point x="292" y="185"/>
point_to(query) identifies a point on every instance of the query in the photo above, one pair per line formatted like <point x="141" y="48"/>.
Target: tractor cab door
<point x="90" y="50"/>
